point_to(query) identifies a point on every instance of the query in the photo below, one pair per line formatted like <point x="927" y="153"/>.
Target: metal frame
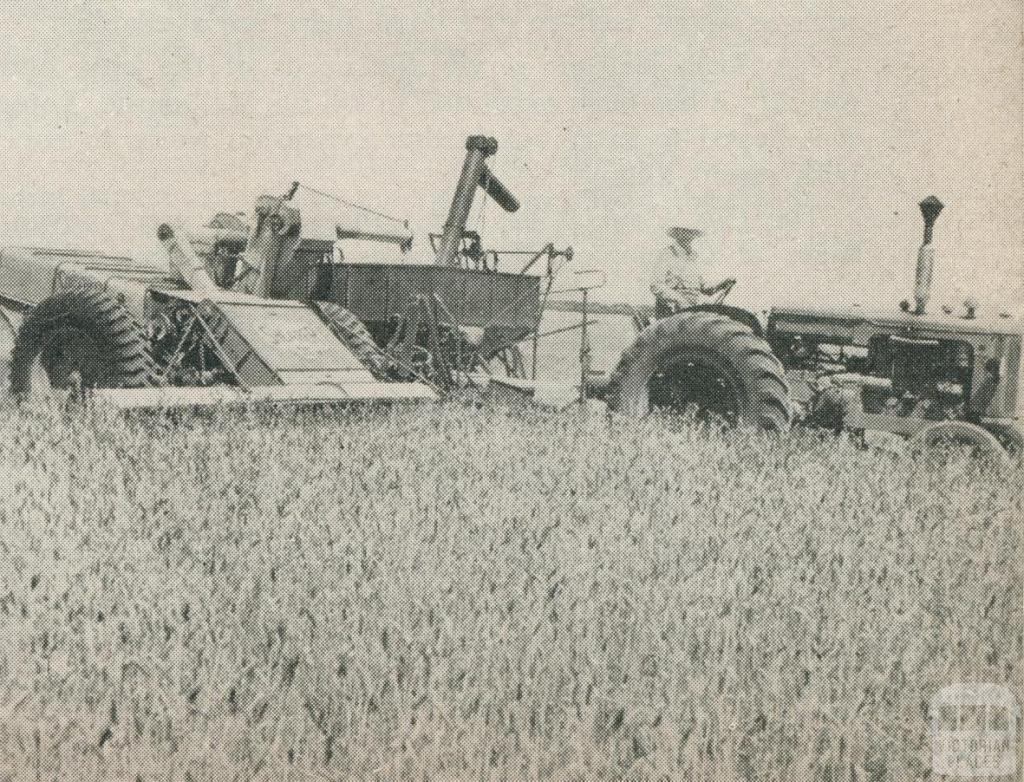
<point x="585" y="351"/>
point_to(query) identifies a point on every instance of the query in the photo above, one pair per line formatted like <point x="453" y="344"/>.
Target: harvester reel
<point x="82" y="336"/>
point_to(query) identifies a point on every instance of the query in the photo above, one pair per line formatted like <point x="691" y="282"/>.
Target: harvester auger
<point x="931" y="378"/>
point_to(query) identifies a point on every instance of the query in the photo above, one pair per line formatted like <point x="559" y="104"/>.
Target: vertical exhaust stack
<point x="930" y="208"/>
<point x="474" y="173"/>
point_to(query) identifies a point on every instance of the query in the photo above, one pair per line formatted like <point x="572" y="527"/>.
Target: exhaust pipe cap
<point x="930" y="209"/>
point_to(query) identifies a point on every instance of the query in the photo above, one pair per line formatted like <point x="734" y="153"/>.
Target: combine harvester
<point x="261" y="314"/>
<point x="258" y="313"/>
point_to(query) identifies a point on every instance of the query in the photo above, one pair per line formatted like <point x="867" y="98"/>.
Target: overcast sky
<point x="800" y="134"/>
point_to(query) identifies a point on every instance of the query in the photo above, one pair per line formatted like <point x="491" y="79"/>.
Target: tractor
<point x="929" y="377"/>
<point x="258" y="313"/>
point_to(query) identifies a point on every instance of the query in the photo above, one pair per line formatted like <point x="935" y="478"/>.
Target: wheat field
<point x="458" y="593"/>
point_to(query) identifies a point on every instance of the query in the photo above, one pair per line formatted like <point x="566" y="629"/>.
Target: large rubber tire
<point x="350" y="330"/>
<point x="956" y="434"/>
<point x="83" y="330"/>
<point x="688" y="350"/>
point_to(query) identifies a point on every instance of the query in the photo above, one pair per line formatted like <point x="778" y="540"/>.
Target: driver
<point x="685" y="284"/>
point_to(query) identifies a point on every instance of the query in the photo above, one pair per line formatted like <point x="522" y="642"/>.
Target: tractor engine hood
<point x="834" y="321"/>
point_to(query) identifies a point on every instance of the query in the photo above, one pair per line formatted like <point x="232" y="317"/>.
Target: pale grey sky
<point x="801" y="134"/>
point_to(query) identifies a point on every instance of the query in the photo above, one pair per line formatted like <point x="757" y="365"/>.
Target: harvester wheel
<point x="705" y="361"/>
<point x="86" y="332"/>
<point x="958" y="435"/>
<point x="350" y="330"/>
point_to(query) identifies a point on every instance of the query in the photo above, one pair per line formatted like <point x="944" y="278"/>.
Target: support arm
<point x="474" y="173"/>
<point x="184" y="260"/>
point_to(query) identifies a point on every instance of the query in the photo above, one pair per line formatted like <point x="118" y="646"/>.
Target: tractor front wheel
<point x="707" y="362"/>
<point x="956" y="436"/>
<point x="1011" y="436"/>
<point x="83" y="333"/>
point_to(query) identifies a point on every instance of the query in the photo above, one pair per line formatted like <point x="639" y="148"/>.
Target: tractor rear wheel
<point x="705" y="361"/>
<point x="350" y="330"/>
<point x="85" y="332"/>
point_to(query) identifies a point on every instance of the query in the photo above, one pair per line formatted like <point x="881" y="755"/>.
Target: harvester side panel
<point x="31" y="274"/>
<point x="27" y="279"/>
<point x="236" y="352"/>
<point x="377" y="292"/>
<point x="363" y="290"/>
<point x="478" y="301"/>
<point x="272" y="342"/>
<point x="291" y="280"/>
<point x="295" y="343"/>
